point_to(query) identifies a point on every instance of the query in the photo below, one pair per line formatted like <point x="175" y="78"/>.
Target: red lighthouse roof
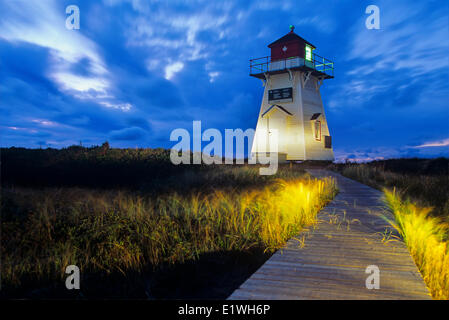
<point x="290" y="37"/>
<point x="290" y="45"/>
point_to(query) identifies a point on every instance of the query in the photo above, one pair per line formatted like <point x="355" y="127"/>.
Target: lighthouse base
<point x="261" y="157"/>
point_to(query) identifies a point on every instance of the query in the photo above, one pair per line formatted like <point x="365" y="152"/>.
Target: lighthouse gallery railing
<point x="318" y="63"/>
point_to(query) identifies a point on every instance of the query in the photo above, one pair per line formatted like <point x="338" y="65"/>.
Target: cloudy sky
<point x="136" y="70"/>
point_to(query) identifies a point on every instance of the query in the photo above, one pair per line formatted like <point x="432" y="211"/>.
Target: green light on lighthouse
<point x="308" y="54"/>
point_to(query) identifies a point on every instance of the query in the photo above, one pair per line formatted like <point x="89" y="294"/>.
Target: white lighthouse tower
<point x="291" y="105"/>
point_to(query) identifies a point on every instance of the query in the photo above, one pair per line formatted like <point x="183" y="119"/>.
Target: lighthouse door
<point x="277" y="121"/>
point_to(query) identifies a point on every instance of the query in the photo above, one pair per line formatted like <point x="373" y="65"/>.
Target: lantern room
<point x="292" y="52"/>
<point x="291" y="45"/>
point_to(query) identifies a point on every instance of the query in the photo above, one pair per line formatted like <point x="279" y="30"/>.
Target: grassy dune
<point x="128" y="232"/>
<point x="427" y="239"/>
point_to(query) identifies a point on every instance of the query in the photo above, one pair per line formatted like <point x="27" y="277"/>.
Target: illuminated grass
<point x="116" y="231"/>
<point x="426" y="238"/>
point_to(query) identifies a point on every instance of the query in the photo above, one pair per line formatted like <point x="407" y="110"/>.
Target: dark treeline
<point x="416" y="166"/>
<point x="99" y="166"/>
<point x="105" y="167"/>
<point x="147" y="170"/>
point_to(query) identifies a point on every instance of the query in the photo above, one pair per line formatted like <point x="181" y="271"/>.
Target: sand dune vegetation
<point x="130" y="233"/>
<point x="427" y="239"/>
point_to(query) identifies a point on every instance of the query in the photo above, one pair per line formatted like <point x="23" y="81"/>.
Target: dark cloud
<point x="128" y="134"/>
<point x="82" y="67"/>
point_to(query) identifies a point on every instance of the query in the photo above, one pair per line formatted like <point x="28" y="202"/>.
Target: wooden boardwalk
<point x="329" y="260"/>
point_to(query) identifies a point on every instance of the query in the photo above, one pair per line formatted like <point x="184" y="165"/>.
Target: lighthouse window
<point x="328" y="142"/>
<point x="308" y="53"/>
<point x="317" y="130"/>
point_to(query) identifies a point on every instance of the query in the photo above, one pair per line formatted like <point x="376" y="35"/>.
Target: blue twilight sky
<point x="136" y="70"/>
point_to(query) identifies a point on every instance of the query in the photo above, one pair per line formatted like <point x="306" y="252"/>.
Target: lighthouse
<point x="292" y="110"/>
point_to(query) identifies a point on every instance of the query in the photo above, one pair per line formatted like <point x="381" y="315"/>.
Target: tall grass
<point x="104" y="231"/>
<point x="425" y="190"/>
<point x="426" y="238"/>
